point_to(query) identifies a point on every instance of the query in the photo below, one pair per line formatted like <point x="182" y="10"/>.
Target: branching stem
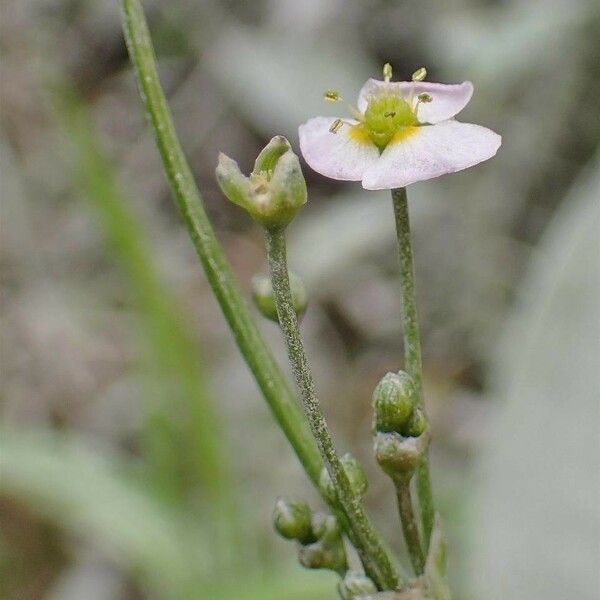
<point x="366" y="541"/>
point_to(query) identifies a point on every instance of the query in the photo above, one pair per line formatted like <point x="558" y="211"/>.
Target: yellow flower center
<point x="387" y="117"/>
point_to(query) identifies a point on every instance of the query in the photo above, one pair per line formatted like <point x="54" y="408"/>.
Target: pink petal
<point x="337" y="155"/>
<point x="431" y="151"/>
<point x="447" y="100"/>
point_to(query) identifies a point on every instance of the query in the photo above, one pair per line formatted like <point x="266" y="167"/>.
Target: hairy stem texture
<point x="412" y="346"/>
<point x="369" y="547"/>
<point x="409" y="525"/>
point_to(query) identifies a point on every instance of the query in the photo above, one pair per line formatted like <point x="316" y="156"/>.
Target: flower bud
<point x="292" y="519"/>
<point x="355" y="585"/>
<point x="275" y="189"/>
<point x="325" y="527"/>
<point x="328" y="551"/>
<point x="394" y="399"/>
<point x="262" y="293"/>
<point x="355" y="473"/>
<point x="399" y="456"/>
<point x="323" y="556"/>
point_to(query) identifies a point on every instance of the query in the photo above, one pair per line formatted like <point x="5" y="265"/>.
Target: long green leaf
<point x="218" y="271"/>
<point x="175" y="366"/>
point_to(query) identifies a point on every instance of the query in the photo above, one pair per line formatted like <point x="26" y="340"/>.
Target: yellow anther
<point x="425" y="98"/>
<point x="336" y="125"/>
<point x="332" y="96"/>
<point x="387" y="72"/>
<point x="419" y="74"/>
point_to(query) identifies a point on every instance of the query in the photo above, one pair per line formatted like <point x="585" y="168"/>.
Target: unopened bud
<point x="399" y="456"/>
<point x="323" y="556"/>
<point x="355" y="585"/>
<point x="292" y="519"/>
<point x="394" y="399"/>
<point x="275" y="189"/>
<point x="325" y="527"/>
<point x="262" y="294"/>
<point x="355" y="473"/>
<point x="328" y="551"/>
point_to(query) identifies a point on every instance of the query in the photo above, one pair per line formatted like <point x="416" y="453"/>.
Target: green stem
<point x="368" y="545"/>
<point x="218" y="271"/>
<point x="409" y="524"/>
<point x="412" y="346"/>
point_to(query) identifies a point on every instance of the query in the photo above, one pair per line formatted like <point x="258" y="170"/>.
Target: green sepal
<point x="233" y="183"/>
<point x="399" y="456"/>
<point x="267" y="159"/>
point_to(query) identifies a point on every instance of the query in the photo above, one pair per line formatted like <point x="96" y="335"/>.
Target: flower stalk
<point x="369" y="547"/>
<point x="412" y="348"/>
<point x="410" y="527"/>
<point x="275" y="389"/>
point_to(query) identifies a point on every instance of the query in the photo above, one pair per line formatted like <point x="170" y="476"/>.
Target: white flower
<point x="402" y="132"/>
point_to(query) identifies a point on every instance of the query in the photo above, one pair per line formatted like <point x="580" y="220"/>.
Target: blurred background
<point x="138" y="458"/>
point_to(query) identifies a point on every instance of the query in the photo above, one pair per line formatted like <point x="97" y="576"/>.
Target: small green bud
<point x="394" y="399"/>
<point x="328" y="551"/>
<point x="323" y="556"/>
<point x="325" y="527"/>
<point x="262" y="293"/>
<point x="399" y="456"/>
<point x="292" y="519"/>
<point x="416" y="425"/>
<point x="355" y="585"/>
<point x="355" y="473"/>
<point x="275" y="189"/>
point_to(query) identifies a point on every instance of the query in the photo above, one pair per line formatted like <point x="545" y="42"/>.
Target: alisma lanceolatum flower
<point x="401" y="132"/>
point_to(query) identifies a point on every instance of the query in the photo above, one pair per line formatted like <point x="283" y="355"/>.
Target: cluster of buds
<point x="400" y="426"/>
<point x="321" y="545"/>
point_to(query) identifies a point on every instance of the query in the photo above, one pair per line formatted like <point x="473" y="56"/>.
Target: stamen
<point x="419" y="74"/>
<point x="336" y="126"/>
<point x="387" y="72"/>
<point x="423" y="98"/>
<point x="332" y="96"/>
